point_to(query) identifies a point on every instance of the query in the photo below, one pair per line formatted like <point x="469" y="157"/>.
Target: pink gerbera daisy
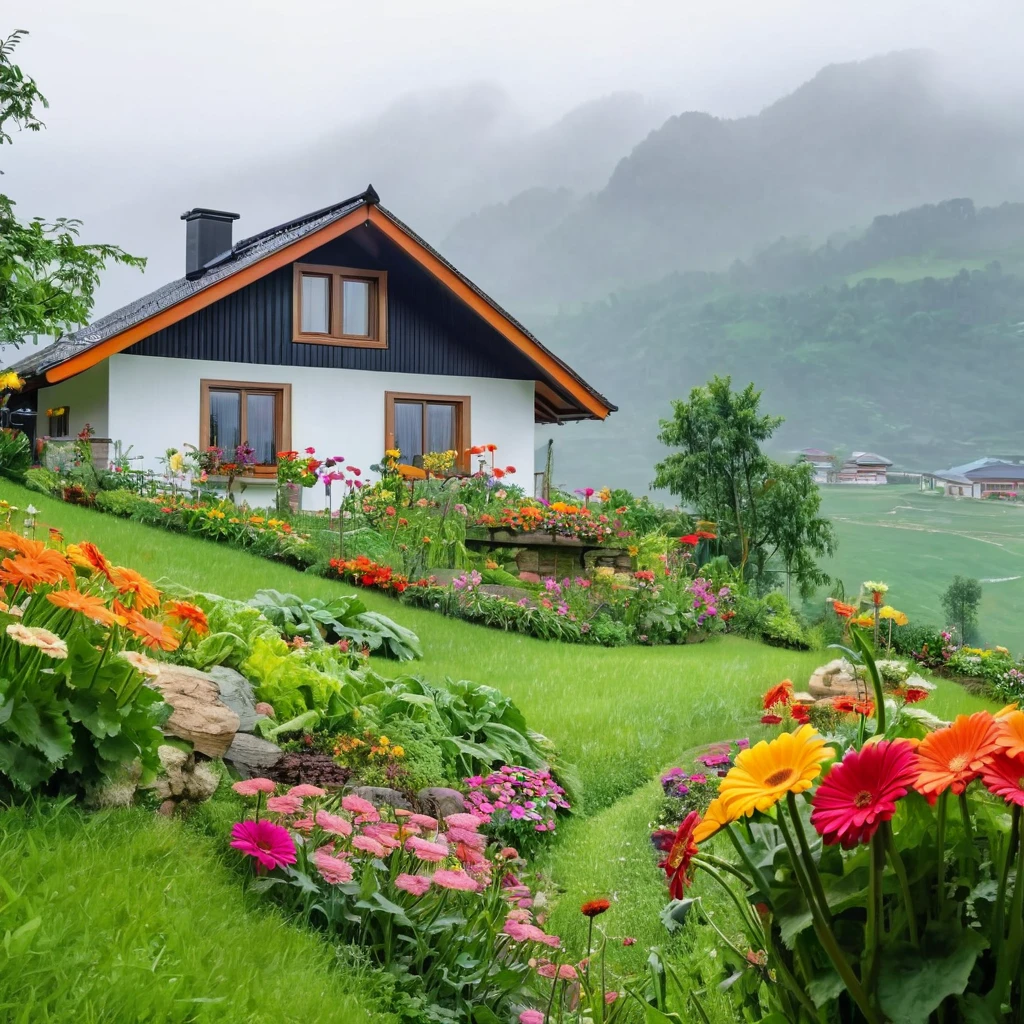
<point x="860" y="792"/>
<point x="357" y="805"/>
<point x="416" y="884"/>
<point x="426" y="850"/>
<point x="270" y="844"/>
<point x="335" y="870"/>
<point x="284" y="804"/>
<point x="250" y="787"/>
<point x="455" y="880"/>
<point x="369" y="845"/>
<point x="335" y="824"/>
<point x="306" y="790"/>
<point x="423" y="821"/>
<point x="470" y="821"/>
<point x="1004" y="776"/>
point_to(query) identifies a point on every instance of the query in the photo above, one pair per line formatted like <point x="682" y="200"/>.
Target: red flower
<point x="865" y="708"/>
<point x="844" y="611"/>
<point x="1004" y="776"/>
<point x="706" y="535"/>
<point x="781" y="693"/>
<point x="497" y="472"/>
<point x="843" y="704"/>
<point x="799" y="713"/>
<point x="860" y="792"/>
<point x="771" y="720"/>
<point x="690" y="540"/>
<point x="593" y="908"/>
<point x="681" y="850"/>
<point x="915" y="694"/>
<point x="510" y="469"/>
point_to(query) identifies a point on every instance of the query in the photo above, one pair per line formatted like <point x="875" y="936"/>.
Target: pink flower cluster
<point x="517" y="794"/>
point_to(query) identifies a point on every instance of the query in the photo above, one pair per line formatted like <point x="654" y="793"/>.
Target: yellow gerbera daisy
<point x="715" y="817"/>
<point x="766" y="772"/>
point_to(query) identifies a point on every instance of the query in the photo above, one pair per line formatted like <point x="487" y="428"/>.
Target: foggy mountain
<point x="858" y="139"/>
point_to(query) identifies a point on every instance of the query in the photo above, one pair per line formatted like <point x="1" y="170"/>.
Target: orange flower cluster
<point x="367" y="573"/>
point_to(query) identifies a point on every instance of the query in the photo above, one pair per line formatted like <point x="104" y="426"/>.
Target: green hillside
<point x="905" y="340"/>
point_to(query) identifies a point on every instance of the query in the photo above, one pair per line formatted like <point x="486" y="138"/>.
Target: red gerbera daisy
<point x="1004" y="776"/>
<point x="681" y="848"/>
<point x="799" y="713"/>
<point x="592" y="908"/>
<point x="861" y="791"/>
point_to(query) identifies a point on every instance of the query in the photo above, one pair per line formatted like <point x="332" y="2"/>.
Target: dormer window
<point x="339" y="306"/>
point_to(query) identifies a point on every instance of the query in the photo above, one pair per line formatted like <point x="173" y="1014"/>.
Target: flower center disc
<point x="863" y="799"/>
<point x="779" y="777"/>
<point x="958" y="763"/>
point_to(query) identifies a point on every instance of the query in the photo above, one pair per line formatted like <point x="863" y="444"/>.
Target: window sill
<point x="349" y="342"/>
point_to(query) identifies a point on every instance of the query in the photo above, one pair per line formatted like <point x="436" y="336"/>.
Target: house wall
<point x="86" y="398"/>
<point x="154" y="405"/>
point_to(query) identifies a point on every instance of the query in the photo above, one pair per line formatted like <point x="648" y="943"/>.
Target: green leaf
<point x="913" y="982"/>
<point x="652" y="1015"/>
<point x="483" y="1015"/>
<point x="391" y="908"/>
<point x="825" y="987"/>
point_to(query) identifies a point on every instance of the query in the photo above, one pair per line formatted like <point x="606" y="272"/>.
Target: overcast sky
<point x="146" y="95"/>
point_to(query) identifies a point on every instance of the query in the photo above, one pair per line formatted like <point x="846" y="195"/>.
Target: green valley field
<point x="916" y="541"/>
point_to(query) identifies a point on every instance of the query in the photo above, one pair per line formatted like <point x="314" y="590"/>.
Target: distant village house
<point x="824" y="470"/>
<point x="867" y="468"/>
<point x="980" y="478"/>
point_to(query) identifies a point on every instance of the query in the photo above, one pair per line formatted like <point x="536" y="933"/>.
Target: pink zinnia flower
<point x="335" y="870"/>
<point x="369" y="845"/>
<point x="455" y="880"/>
<point x="357" y="805"/>
<point x="306" y="790"/>
<point x="516" y="914"/>
<point x="531" y="1017"/>
<point x="509" y="853"/>
<point x="610" y="997"/>
<point x="303" y="824"/>
<point x="416" y="884"/>
<point x="470" y="821"/>
<point x="423" y="820"/>
<point x="860" y="792"/>
<point x="382" y="836"/>
<point x="425" y="850"/>
<point x="250" y="787"/>
<point x="516" y="930"/>
<point x="270" y="844"/>
<point x="284" y="804"/>
<point x="335" y="824"/>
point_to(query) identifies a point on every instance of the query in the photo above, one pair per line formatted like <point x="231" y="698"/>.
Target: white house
<point x="981" y="478"/>
<point x="341" y="330"/>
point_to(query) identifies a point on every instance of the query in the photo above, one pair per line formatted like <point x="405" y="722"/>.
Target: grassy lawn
<point x="620" y="715"/>
<point x="917" y="542"/>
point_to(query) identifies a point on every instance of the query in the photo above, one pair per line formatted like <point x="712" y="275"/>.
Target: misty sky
<point x="155" y="99"/>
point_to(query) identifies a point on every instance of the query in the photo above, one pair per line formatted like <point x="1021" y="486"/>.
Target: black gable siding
<point x="429" y="330"/>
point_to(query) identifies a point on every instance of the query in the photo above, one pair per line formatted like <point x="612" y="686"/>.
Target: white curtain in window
<point x="440" y="427"/>
<point x="226" y="421"/>
<point x="261" y="421"/>
<point x="355" y="308"/>
<point x="409" y="430"/>
<point x="316" y="304"/>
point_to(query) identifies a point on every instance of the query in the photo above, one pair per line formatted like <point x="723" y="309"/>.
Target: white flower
<point x="139" y="662"/>
<point x="35" y="636"/>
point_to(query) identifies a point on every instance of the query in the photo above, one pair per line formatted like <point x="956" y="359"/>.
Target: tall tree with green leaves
<point x="47" y="278"/>
<point x="960" y="603"/>
<point x="773" y="511"/>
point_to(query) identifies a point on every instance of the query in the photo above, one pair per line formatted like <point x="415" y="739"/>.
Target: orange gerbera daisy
<point x="10" y="541"/>
<point x="715" y="818"/>
<point x="85" y="604"/>
<point x="951" y="758"/>
<point x="151" y="633"/>
<point x="191" y="614"/>
<point x="1010" y="733"/>
<point x="28" y="572"/>
<point x="88" y="556"/>
<point x="128" y="581"/>
<point x="843" y="610"/>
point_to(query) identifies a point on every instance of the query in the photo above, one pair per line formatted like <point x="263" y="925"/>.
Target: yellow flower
<point x="176" y="462"/>
<point x="384" y="741"/>
<point x="214" y="513"/>
<point x="10" y="381"/>
<point x="393" y="453"/>
<point x="633" y="551"/>
<point x="766" y="772"/>
<point x="715" y="817"/>
<point x="888" y="612"/>
<point x="398" y="751"/>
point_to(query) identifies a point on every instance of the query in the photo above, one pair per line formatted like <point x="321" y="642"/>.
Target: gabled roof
<point x="867" y="459"/>
<point x="256" y="256"/>
<point x="982" y="469"/>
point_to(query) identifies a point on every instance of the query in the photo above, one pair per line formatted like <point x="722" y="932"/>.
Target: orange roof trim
<point x="368" y="214"/>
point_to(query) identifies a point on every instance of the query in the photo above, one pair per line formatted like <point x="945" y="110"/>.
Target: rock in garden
<point x="200" y="716"/>
<point x="236" y="691"/>
<point x="184" y="783"/>
<point x="441" y="802"/>
<point x="252" y="756"/>
<point x="381" y="795"/>
<point x="836" y="678"/>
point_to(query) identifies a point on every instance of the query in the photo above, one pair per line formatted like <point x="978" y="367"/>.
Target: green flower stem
<point x="812" y="872"/>
<point x="875" y="924"/>
<point x="1009" y="950"/>
<point x="901" y="874"/>
<point x="965" y="818"/>
<point x="724" y="865"/>
<point x="1011" y="850"/>
<point x="824" y="932"/>
<point x="755" y="872"/>
<point x="940" y="846"/>
<point x="741" y="905"/>
<point x="876" y="681"/>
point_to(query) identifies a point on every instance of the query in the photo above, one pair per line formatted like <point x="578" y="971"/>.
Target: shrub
<point x="43" y="480"/>
<point x="771" y="620"/>
<point x="120" y="502"/>
<point x="15" y="453"/>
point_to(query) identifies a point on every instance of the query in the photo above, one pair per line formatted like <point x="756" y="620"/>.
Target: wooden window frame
<point x="378" y="336"/>
<point x="463" y="421"/>
<point x="63" y="419"/>
<point x="284" y="413"/>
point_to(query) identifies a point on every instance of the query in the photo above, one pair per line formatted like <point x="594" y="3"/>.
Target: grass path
<point x="620" y="715"/>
